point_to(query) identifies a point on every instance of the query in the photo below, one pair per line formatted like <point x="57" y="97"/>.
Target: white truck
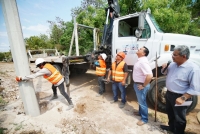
<point x="133" y="31"/>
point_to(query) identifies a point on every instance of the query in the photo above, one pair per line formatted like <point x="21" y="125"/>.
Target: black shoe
<point x="54" y="97"/>
<point x="122" y="105"/>
<point x="113" y="101"/>
<point x="167" y="128"/>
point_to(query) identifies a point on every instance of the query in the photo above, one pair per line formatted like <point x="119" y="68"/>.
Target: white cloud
<point x="42" y="6"/>
<point x="37" y="28"/>
<point x="26" y="20"/>
<point x="23" y="27"/>
<point x="3" y="34"/>
<point x="3" y="45"/>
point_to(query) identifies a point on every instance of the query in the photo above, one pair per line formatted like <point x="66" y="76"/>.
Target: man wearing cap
<point x="142" y="75"/>
<point x="119" y="73"/>
<point x="50" y="73"/>
<point x="100" y="72"/>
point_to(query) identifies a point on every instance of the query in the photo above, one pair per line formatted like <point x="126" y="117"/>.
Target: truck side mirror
<point x="141" y="21"/>
<point x="138" y="33"/>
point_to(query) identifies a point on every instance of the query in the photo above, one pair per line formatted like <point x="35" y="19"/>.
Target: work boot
<point x="121" y="105"/>
<point x="70" y="107"/>
<point x="54" y="97"/>
<point x="113" y="101"/>
<point x="98" y="95"/>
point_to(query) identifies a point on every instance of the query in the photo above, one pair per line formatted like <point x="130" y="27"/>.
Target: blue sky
<point x="34" y="15"/>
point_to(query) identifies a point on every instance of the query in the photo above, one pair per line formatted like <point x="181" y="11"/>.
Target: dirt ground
<point x="91" y="114"/>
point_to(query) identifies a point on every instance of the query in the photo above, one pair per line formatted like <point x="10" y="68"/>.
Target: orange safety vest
<point x="55" y="76"/>
<point x="101" y="71"/>
<point x="118" y="72"/>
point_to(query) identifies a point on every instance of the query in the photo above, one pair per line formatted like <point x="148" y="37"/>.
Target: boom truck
<point x="133" y="31"/>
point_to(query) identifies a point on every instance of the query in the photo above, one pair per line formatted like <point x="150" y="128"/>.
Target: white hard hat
<point x="39" y="61"/>
<point x="104" y="56"/>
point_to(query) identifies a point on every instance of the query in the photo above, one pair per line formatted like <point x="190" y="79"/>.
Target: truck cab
<point x="134" y="31"/>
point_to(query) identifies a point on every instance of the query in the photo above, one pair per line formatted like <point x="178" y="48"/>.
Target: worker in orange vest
<point x="100" y="72"/>
<point x="119" y="71"/>
<point x="50" y="73"/>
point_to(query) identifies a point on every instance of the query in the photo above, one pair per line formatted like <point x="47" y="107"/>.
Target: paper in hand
<point x="186" y="103"/>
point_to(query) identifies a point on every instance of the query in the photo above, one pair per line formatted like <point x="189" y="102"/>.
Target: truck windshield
<point x="155" y="23"/>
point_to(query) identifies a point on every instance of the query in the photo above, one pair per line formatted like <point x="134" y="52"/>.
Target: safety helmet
<point x="121" y="54"/>
<point x="39" y="61"/>
<point x="104" y="56"/>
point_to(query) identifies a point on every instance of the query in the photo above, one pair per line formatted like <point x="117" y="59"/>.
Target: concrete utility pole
<point x="17" y="45"/>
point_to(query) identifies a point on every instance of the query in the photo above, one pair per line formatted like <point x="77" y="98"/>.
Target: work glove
<point x="18" y="78"/>
<point x="96" y="63"/>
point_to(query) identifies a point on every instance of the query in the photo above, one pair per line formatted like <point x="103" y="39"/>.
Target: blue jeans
<point x="122" y="89"/>
<point x="141" y="97"/>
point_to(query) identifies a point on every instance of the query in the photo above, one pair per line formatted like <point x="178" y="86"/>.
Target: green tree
<point x="57" y="29"/>
<point x="90" y="13"/>
<point x="129" y="6"/>
<point x="2" y="56"/>
<point x="194" y="28"/>
<point x="174" y="15"/>
<point x="38" y="42"/>
<point x="5" y="56"/>
<point x="65" y="39"/>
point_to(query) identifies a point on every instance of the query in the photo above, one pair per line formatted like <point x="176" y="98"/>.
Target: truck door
<point x="124" y="38"/>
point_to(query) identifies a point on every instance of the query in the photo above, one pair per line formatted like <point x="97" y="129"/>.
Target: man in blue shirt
<point x="182" y="82"/>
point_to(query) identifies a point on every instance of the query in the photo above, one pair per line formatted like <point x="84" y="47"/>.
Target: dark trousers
<point x="62" y="91"/>
<point x="176" y="114"/>
<point x="101" y="84"/>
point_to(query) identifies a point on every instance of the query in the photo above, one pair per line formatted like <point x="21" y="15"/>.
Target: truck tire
<point x="57" y="66"/>
<point x="194" y="103"/>
<point x="149" y="96"/>
<point x="161" y="95"/>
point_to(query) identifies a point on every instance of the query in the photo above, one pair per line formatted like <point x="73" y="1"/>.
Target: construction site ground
<point x="90" y="115"/>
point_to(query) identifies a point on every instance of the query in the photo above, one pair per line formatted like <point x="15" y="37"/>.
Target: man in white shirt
<point x="142" y="75"/>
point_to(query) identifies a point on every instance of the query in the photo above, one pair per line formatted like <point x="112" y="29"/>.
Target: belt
<point x="139" y="83"/>
<point x="173" y="93"/>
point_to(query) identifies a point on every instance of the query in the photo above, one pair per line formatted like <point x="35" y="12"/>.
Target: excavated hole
<point x="44" y="105"/>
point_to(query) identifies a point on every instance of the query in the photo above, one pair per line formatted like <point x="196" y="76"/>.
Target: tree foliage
<point x="174" y="16"/>
<point x="5" y="56"/>
<point x="38" y="42"/>
<point x="91" y="13"/>
<point x="129" y="6"/>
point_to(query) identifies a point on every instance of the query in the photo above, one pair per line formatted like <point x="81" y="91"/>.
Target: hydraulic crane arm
<point x="112" y="12"/>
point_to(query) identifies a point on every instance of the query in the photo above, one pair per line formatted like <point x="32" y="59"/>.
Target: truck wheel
<point x="149" y="96"/>
<point x="58" y="67"/>
<point x="194" y="103"/>
<point x="161" y="95"/>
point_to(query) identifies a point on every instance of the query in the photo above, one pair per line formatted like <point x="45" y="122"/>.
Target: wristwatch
<point x="183" y="98"/>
